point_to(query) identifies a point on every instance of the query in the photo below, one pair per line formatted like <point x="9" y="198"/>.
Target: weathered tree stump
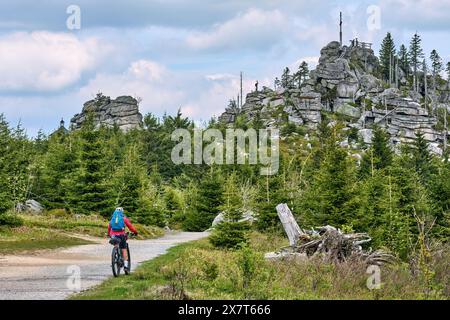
<point x="291" y="227"/>
<point x="329" y="242"/>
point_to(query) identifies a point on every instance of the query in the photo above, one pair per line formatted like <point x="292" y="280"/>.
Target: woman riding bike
<point x="116" y="230"/>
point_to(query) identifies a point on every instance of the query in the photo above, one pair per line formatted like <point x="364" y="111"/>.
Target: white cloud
<point x="45" y="61"/>
<point x="214" y="97"/>
<point x="254" y="28"/>
<point x="417" y="14"/>
<point x="318" y="34"/>
<point x="163" y="90"/>
<point x="147" y="70"/>
<point x="220" y="76"/>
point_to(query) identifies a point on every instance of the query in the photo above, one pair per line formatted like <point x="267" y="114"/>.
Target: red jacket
<point x="111" y="232"/>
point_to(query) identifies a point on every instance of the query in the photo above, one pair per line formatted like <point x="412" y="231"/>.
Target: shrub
<point x="211" y="270"/>
<point x="230" y="235"/>
<point x="288" y="129"/>
<point x="178" y="276"/>
<point x="291" y="128"/>
<point x="247" y="264"/>
<point x="58" y="213"/>
<point x="152" y="217"/>
<point x="10" y="220"/>
<point x="353" y="134"/>
<point x="195" y="221"/>
<point x="207" y="203"/>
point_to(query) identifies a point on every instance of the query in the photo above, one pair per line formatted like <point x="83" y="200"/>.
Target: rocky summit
<point x="347" y="82"/>
<point x="122" y="112"/>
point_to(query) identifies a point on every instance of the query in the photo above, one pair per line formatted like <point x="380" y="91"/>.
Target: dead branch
<point x="329" y="242"/>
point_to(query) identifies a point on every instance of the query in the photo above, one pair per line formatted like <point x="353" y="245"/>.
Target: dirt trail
<point x="46" y="275"/>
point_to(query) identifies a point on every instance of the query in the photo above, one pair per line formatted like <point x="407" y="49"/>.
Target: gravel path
<point x="51" y="275"/>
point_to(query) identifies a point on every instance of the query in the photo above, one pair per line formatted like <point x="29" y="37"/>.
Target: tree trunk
<point x="445" y="129"/>
<point x="425" y="83"/>
<point x="291" y="227"/>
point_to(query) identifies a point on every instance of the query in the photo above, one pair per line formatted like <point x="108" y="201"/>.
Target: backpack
<point x="117" y="221"/>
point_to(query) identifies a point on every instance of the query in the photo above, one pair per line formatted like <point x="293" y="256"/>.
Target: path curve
<point x="46" y="275"/>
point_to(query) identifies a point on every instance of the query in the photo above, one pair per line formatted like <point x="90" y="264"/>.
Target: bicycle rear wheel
<point x="115" y="262"/>
<point x="128" y="270"/>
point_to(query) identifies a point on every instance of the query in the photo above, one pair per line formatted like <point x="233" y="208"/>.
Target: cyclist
<point x="116" y="229"/>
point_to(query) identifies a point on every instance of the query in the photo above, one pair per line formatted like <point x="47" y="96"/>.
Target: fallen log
<point x="329" y="242"/>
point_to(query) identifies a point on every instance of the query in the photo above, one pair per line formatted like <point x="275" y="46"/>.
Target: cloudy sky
<point x="180" y="53"/>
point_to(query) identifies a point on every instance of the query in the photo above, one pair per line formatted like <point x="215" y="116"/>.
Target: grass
<point x="140" y="284"/>
<point x="49" y="232"/>
<point x="196" y="270"/>
<point x="88" y="225"/>
<point x="25" y="239"/>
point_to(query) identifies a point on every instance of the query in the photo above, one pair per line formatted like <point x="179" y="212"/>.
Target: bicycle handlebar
<point x="130" y="234"/>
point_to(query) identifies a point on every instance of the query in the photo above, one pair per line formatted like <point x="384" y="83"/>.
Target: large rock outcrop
<point x="345" y="82"/>
<point x="122" y="112"/>
<point x="402" y="117"/>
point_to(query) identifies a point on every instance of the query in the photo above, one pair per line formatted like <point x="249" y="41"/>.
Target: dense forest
<point x="387" y="194"/>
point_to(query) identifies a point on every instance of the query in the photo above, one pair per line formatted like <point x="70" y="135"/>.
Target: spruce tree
<point x="18" y="170"/>
<point x="174" y="204"/>
<point x="330" y="198"/>
<point x="271" y="192"/>
<point x="90" y="193"/>
<point x="422" y="158"/>
<point x="387" y="54"/>
<point x="286" y="79"/>
<point x="304" y="70"/>
<point x="447" y="69"/>
<point x="436" y="66"/>
<point x="158" y="143"/>
<point x="17" y="162"/>
<point x="277" y="83"/>
<point x="439" y="188"/>
<point x="379" y="212"/>
<point x="5" y="142"/>
<point x="411" y="195"/>
<point x="415" y="56"/>
<point x="151" y="207"/>
<point x="379" y="155"/>
<point x="231" y="233"/>
<point x="404" y="59"/>
<point x="41" y="142"/>
<point x="375" y="202"/>
<point x="127" y="181"/>
<point x="208" y="202"/>
<point x="406" y="182"/>
<point x="58" y="165"/>
<point x="302" y="74"/>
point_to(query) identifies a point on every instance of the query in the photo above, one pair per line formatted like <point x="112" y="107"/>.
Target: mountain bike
<point x="117" y="262"/>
